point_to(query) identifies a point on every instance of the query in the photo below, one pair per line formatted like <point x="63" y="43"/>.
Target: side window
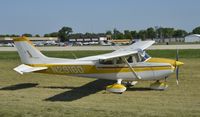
<point x="135" y="58"/>
<point x="130" y="59"/>
<point x="106" y="62"/>
<point x="119" y="61"/>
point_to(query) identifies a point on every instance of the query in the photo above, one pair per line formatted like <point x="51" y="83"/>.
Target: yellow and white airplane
<point x="130" y="64"/>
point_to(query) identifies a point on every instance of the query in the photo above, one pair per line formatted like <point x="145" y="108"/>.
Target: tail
<point x="27" y="51"/>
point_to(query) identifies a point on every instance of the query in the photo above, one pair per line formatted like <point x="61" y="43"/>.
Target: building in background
<point x="87" y="41"/>
<point x="192" y="38"/>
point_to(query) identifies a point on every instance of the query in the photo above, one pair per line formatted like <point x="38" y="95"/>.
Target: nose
<point x="178" y="63"/>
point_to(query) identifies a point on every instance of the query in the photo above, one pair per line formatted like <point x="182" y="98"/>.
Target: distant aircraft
<point x="129" y="64"/>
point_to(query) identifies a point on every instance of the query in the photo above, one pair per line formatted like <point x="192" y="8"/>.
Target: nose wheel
<point x="158" y="85"/>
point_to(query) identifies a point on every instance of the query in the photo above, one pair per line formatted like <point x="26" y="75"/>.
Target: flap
<point x="26" y="69"/>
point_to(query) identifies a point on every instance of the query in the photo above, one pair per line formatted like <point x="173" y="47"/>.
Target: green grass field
<point x="33" y="95"/>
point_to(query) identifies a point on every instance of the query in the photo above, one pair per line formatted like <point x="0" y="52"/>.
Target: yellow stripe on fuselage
<point x="91" y="69"/>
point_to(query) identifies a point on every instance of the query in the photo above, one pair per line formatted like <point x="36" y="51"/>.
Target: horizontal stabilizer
<point x="26" y="69"/>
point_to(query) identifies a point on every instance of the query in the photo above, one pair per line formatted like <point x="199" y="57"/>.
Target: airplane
<point x="126" y="65"/>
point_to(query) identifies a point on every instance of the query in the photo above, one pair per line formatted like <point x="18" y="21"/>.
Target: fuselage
<point x="148" y="70"/>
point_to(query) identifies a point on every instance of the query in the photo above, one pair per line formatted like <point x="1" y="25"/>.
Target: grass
<point x="53" y="95"/>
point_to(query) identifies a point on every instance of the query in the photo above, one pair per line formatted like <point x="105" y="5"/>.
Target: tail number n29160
<point x="68" y="69"/>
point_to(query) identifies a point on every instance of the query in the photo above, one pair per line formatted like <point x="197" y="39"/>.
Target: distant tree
<point x="53" y="34"/>
<point x="37" y="35"/>
<point x="14" y="35"/>
<point x="115" y="31"/>
<point x="160" y="32"/>
<point x="76" y="36"/>
<point x="117" y="34"/>
<point x="165" y="32"/>
<point x="63" y="33"/>
<point x="168" y="32"/>
<point x="100" y="35"/>
<point x="150" y="33"/>
<point x="196" y="30"/>
<point x="179" y="33"/>
<point x="134" y="34"/>
<point x="127" y="34"/>
<point x="142" y="34"/>
<point x="27" y="35"/>
<point x="46" y="35"/>
<point x="120" y="36"/>
<point x="108" y="32"/>
<point x="88" y="35"/>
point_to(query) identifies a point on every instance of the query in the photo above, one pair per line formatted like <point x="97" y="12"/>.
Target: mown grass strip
<point x="192" y="53"/>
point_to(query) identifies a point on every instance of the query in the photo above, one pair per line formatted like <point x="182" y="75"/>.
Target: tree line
<point x="66" y="33"/>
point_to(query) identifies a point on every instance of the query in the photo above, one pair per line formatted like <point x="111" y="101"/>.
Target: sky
<point x="46" y="16"/>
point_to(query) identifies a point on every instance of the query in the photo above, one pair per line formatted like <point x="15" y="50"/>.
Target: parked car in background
<point x="9" y="45"/>
<point x="61" y="44"/>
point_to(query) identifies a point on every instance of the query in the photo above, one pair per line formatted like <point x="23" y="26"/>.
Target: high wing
<point x="109" y="55"/>
<point x="26" y="69"/>
<point x="140" y="45"/>
<point x="132" y="49"/>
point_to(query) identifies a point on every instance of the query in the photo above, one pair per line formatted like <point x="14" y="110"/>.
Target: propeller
<point x="177" y="67"/>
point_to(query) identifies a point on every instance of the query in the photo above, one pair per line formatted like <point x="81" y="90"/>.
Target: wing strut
<point x="131" y="69"/>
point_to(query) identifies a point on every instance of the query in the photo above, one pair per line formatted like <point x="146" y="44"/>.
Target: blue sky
<point x="45" y="16"/>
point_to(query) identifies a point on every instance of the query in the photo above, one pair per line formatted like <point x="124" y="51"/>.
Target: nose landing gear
<point x="158" y="85"/>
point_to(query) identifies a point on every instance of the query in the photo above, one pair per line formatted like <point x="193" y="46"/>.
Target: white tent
<point x="192" y="38"/>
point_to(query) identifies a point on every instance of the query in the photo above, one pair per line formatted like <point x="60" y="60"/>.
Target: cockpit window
<point x="146" y="56"/>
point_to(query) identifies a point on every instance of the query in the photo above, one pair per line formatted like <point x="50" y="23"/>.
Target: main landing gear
<point x="116" y="88"/>
<point x="158" y="85"/>
<point x="120" y="88"/>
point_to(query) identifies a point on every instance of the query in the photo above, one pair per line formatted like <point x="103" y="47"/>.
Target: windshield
<point x="144" y="55"/>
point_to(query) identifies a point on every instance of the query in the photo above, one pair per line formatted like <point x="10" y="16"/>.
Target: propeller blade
<point x="177" y="55"/>
<point x="177" y="75"/>
<point x="177" y="67"/>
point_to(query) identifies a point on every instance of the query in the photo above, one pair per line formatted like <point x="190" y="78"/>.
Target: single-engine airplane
<point x="130" y="64"/>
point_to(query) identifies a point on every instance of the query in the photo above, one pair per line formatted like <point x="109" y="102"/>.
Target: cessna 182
<point x="129" y="64"/>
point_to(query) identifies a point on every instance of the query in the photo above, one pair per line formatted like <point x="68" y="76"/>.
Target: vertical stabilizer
<point x="27" y="51"/>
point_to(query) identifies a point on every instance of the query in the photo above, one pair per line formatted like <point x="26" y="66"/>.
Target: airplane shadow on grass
<point x="75" y="93"/>
<point x="19" y="86"/>
<point x="82" y="91"/>
<point x="90" y="88"/>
